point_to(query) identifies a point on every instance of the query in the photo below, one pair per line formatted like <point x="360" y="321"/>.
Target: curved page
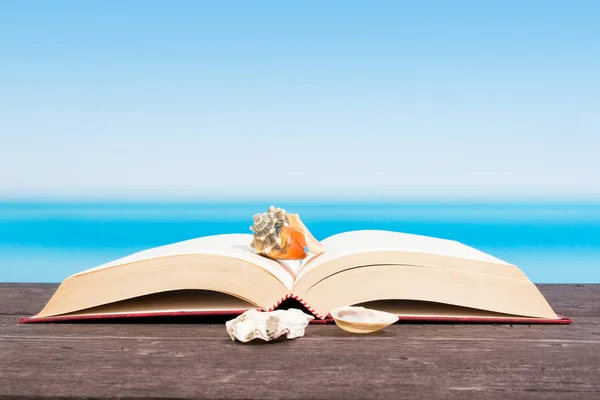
<point x="409" y="282"/>
<point x="228" y="245"/>
<point x="361" y="248"/>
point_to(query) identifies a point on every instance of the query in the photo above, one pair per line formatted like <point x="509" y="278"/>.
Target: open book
<point x="416" y="277"/>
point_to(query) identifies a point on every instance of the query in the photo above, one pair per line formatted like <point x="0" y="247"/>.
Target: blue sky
<point x="309" y="99"/>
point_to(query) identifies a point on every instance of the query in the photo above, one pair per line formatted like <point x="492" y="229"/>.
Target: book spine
<point x="305" y="304"/>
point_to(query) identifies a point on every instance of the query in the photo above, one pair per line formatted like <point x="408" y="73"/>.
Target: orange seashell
<point x="313" y="245"/>
<point x="283" y="236"/>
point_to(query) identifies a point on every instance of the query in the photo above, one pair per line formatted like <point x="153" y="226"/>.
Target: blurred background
<point x="126" y="125"/>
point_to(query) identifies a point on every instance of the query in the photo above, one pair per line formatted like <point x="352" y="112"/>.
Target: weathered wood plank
<point x="199" y="360"/>
<point x="24" y="298"/>
<point x="341" y="365"/>
<point x="392" y="359"/>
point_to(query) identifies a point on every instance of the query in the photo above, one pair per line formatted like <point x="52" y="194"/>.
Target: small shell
<point x="361" y="320"/>
<point x="282" y="236"/>
<point x="254" y="324"/>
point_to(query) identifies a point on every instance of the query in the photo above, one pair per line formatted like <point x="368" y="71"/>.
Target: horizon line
<point x="232" y="200"/>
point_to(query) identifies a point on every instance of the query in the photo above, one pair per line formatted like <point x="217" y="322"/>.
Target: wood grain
<point x="182" y="360"/>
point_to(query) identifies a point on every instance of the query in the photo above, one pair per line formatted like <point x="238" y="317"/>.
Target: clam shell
<point x="362" y="320"/>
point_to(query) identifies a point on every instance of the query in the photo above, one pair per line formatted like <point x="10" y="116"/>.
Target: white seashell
<point x="361" y="320"/>
<point x="267" y="326"/>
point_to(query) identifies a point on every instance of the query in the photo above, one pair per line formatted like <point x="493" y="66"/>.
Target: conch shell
<point x="282" y="236"/>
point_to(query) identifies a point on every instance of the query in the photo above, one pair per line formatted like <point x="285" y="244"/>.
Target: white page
<point x="356" y="242"/>
<point x="229" y="245"/>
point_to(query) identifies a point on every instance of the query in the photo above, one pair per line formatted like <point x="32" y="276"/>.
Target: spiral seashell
<point x="279" y="235"/>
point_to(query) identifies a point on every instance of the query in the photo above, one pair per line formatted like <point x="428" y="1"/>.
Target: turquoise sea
<point x="48" y="241"/>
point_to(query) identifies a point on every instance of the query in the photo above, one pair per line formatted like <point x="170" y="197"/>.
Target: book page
<point x="438" y="285"/>
<point x="365" y="241"/>
<point x="229" y="245"/>
<point x="172" y="301"/>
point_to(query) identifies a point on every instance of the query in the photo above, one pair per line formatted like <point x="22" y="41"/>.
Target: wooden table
<point x="175" y="360"/>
